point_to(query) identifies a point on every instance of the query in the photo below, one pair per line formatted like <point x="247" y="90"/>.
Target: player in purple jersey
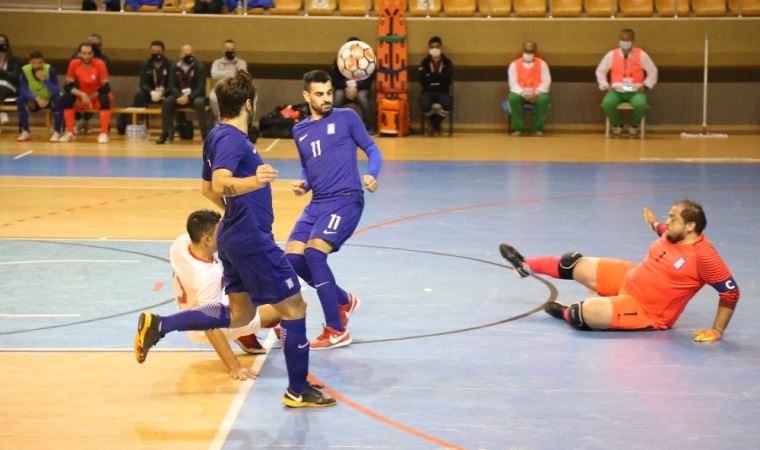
<point x="256" y="272"/>
<point x="327" y="142"/>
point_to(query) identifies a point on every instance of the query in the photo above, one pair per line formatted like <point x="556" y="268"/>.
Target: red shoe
<point x="250" y="344"/>
<point x="349" y="308"/>
<point x="331" y="338"/>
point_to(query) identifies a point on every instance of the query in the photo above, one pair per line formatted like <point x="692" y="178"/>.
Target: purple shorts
<point x="333" y="221"/>
<point x="267" y="276"/>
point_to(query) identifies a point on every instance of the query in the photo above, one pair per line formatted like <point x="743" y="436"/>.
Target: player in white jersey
<point x="198" y="281"/>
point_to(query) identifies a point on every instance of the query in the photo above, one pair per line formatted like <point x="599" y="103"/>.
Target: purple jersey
<point x="247" y="223"/>
<point x="327" y="148"/>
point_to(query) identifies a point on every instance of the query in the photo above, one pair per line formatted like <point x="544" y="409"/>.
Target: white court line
<point x="55" y="261"/>
<point x="276" y="141"/>
<point x="239" y="400"/>
<point x="702" y="160"/>
<point x="25" y="316"/>
<point x="23" y="154"/>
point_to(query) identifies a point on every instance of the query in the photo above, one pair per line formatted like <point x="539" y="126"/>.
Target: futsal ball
<point x="356" y="60"/>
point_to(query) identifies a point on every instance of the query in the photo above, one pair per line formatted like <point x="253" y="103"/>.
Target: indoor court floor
<point x="451" y="349"/>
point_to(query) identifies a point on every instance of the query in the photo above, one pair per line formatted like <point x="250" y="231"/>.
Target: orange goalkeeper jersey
<point x="671" y="274"/>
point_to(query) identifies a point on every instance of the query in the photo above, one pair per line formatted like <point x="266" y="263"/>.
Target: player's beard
<point x="675" y="237"/>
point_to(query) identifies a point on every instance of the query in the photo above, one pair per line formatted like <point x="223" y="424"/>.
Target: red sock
<point x="68" y="117"/>
<point x="105" y="119"/>
<point x="545" y="265"/>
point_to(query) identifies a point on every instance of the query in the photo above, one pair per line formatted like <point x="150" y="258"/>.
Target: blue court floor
<point x="451" y="349"/>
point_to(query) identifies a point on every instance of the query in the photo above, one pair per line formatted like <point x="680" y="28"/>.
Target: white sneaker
<point x="67" y="137"/>
<point x="55" y="137"/>
<point x="103" y="138"/>
<point x="616" y="131"/>
<point x="24" y="136"/>
<point x="4" y="118"/>
<point x="633" y="132"/>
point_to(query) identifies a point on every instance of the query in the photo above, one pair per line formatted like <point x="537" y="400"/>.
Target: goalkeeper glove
<point x="711" y="335"/>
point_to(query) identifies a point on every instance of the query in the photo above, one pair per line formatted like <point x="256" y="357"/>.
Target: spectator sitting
<point x="154" y="81"/>
<point x="208" y="6"/>
<point x="222" y="68"/>
<point x="187" y="88"/>
<point x="529" y="81"/>
<point x="632" y="74"/>
<point x="436" y="73"/>
<point x="135" y="5"/>
<point x="350" y="91"/>
<point x="39" y="90"/>
<point x="9" y="74"/>
<point x="87" y="88"/>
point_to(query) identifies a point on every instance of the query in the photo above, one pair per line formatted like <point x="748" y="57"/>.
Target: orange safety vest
<point x="528" y="78"/>
<point x="629" y="67"/>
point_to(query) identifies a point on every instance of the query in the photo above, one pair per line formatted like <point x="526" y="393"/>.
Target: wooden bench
<point x="10" y="106"/>
<point x="135" y="111"/>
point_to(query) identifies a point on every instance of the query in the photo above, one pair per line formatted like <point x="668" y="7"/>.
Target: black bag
<point x="275" y="125"/>
<point x="185" y="130"/>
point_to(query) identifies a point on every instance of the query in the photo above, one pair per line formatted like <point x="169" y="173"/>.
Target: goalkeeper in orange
<point x="649" y="295"/>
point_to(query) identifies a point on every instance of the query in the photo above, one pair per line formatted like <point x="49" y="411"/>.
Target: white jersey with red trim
<point x="197" y="281"/>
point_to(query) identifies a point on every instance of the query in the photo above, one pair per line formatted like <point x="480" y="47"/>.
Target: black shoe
<point x="165" y="137"/>
<point x="515" y="258"/>
<point x="311" y="397"/>
<point x="147" y="335"/>
<point x="555" y="309"/>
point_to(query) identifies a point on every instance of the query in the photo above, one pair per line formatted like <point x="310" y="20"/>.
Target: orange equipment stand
<point x="392" y="76"/>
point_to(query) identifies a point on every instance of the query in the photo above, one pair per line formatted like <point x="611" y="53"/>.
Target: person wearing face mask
<point x="39" y="90"/>
<point x="87" y="88"/>
<point x="9" y="74"/>
<point x="154" y="81"/>
<point x="436" y="72"/>
<point x="187" y="89"/>
<point x="632" y="74"/>
<point x="529" y="82"/>
<point x="222" y="68"/>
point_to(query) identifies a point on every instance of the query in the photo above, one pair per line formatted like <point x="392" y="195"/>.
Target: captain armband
<point x="728" y="292"/>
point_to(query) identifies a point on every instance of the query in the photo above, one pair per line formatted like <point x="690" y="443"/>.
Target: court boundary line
<point x="242" y="395"/>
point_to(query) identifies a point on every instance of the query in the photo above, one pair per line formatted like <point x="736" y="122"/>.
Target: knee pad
<point x="567" y="264"/>
<point x="575" y="316"/>
<point x="105" y="102"/>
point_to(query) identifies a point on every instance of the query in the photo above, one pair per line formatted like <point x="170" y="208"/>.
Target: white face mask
<point x="528" y="57"/>
<point x="626" y="45"/>
<point x="435" y="52"/>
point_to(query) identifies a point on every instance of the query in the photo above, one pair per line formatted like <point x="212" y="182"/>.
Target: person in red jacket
<point x="650" y="295"/>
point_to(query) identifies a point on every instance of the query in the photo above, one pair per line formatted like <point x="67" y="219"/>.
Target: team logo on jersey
<point x="679" y="263"/>
<point x="330" y="128"/>
<point x="289" y="283"/>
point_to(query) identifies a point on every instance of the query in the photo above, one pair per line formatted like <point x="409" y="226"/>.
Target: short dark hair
<point x="84" y="44"/>
<point x="232" y="93"/>
<point x="158" y="43"/>
<point x="315" y="76"/>
<point x="628" y="30"/>
<point x="8" y="50"/>
<point x="201" y="222"/>
<point x="692" y="211"/>
<point x="435" y="40"/>
<point x="36" y="54"/>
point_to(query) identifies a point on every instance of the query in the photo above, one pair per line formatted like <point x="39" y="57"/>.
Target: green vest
<point x="37" y="87"/>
